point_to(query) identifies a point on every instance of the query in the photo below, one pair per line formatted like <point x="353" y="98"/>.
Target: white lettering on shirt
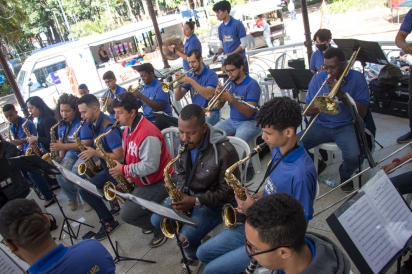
<point x="270" y="187"/>
<point x="227" y="38"/>
<point x="132" y="150"/>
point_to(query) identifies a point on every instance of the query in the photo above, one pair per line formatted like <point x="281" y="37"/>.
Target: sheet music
<point x="10" y="265"/>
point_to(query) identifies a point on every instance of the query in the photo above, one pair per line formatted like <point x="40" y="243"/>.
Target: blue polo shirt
<point x="111" y="141"/>
<point x="191" y="43"/>
<point x="354" y="84"/>
<point x="316" y="60"/>
<point x="87" y="256"/>
<point x="407" y="22"/>
<point x="230" y="35"/>
<point x="154" y="92"/>
<point x="207" y="78"/>
<point x="295" y="176"/>
<point x="18" y="133"/>
<point x="65" y="132"/>
<point x="119" y="90"/>
<point x="249" y="91"/>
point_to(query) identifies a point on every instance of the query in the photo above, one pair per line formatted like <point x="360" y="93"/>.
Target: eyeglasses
<point x="325" y="68"/>
<point x="251" y="255"/>
<point x="230" y="70"/>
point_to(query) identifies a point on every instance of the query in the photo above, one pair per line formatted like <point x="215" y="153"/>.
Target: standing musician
<point x="338" y="128"/>
<point x="100" y="123"/>
<point x="200" y="177"/>
<point x="191" y="43"/>
<point x="146" y="156"/>
<point x="290" y="171"/>
<point x="201" y="85"/>
<point x="114" y="89"/>
<point x="67" y="111"/>
<point x="322" y="39"/>
<point x="151" y="96"/>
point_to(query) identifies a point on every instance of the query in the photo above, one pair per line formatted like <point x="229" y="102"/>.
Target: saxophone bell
<point x="110" y="195"/>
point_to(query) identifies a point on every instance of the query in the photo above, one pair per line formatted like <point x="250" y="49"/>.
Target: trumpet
<point x="214" y="101"/>
<point x="168" y="86"/>
<point x="105" y="103"/>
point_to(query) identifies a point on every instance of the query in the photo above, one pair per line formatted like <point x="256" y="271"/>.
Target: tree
<point x="11" y="16"/>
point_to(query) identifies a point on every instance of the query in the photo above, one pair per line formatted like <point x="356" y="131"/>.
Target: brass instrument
<point x="253" y="264"/>
<point x="326" y="104"/>
<point x="9" y="132"/>
<point x="105" y="103"/>
<point x="228" y="212"/>
<point x="91" y="168"/>
<point x="124" y="185"/>
<point x="168" y="86"/>
<point x="174" y="42"/>
<point x="174" y="195"/>
<point x="214" y="101"/>
<point x="54" y="154"/>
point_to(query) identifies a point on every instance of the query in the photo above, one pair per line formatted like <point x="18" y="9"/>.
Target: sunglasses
<point x="251" y="255"/>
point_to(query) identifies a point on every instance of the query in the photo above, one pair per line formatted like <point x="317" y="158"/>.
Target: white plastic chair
<point x="255" y="160"/>
<point x="243" y="150"/>
<point x="170" y="134"/>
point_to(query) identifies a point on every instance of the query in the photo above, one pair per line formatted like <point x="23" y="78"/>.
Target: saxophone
<point x="54" y="154"/>
<point x="9" y="133"/>
<point x="228" y="212"/>
<point x="124" y="185"/>
<point x="174" y="194"/>
<point x="91" y="168"/>
<point x="34" y="148"/>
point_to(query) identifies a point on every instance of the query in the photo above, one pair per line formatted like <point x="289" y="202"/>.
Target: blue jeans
<point x="269" y="42"/>
<point x="208" y="217"/>
<point x="97" y="203"/>
<point x="69" y="189"/>
<point x="41" y="185"/>
<point x="293" y="14"/>
<point x="345" y="139"/>
<point x="214" y="117"/>
<point x="244" y="130"/>
<point x="403" y="183"/>
<point x="225" y="253"/>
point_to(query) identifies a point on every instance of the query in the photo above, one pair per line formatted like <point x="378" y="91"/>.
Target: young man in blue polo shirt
<point x="151" y="96"/>
<point x="100" y="123"/>
<point x="114" y="89"/>
<point x="338" y="128"/>
<point x="232" y="33"/>
<point x="201" y="85"/>
<point x="290" y="171"/>
<point x="27" y="234"/>
<point x="322" y="39"/>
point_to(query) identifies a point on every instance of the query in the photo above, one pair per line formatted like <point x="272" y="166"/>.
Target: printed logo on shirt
<point x="132" y="149"/>
<point x="194" y="92"/>
<point x="238" y="97"/>
<point x="70" y="139"/>
<point x="270" y="188"/>
<point x="227" y="38"/>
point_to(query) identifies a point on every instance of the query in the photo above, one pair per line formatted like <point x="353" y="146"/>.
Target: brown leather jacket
<point x="214" y="158"/>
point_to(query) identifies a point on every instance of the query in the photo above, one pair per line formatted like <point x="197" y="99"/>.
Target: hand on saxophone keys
<point x="88" y="153"/>
<point x="185" y="204"/>
<point x="242" y="206"/>
<point x="117" y="170"/>
<point x="32" y="139"/>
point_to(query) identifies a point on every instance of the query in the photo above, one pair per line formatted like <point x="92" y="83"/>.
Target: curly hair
<point x="281" y="113"/>
<point x="68" y="99"/>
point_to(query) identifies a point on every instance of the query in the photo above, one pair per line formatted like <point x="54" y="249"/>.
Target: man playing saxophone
<point x="200" y="177"/>
<point x="100" y="123"/>
<point x="146" y="156"/>
<point x="201" y="85"/>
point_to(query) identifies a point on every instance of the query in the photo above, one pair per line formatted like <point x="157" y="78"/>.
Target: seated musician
<point x="82" y="90"/>
<point x="151" y="97"/>
<point x="282" y="244"/>
<point x="201" y="85"/>
<point x="68" y="111"/>
<point x="146" y="156"/>
<point x="100" y="123"/>
<point x="26" y="233"/>
<point x="114" y="89"/>
<point x="338" y="128"/>
<point x="290" y="171"/>
<point x="200" y="177"/>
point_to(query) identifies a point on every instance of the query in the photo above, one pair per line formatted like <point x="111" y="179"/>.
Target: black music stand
<point x="294" y="79"/>
<point x="92" y="189"/>
<point x="167" y="213"/>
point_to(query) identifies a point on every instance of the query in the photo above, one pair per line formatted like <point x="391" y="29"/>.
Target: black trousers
<point x="410" y="99"/>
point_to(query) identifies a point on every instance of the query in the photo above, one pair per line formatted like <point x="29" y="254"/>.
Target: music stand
<point x="165" y="212"/>
<point x="92" y="189"/>
<point x="294" y="79"/>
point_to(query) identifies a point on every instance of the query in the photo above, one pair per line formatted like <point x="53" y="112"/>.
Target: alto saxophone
<point x="124" y="185"/>
<point x="91" y="168"/>
<point x="173" y="192"/>
<point x="9" y="133"/>
<point x="54" y="154"/>
<point x="228" y="212"/>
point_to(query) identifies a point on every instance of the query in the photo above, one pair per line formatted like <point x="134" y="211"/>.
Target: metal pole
<point x="65" y="20"/>
<point x="308" y="41"/>
<point x="12" y="82"/>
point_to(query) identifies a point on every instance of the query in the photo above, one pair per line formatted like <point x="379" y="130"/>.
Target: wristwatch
<point x="197" y="204"/>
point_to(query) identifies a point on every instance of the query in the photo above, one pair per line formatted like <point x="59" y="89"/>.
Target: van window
<point x="20" y="79"/>
<point x="42" y="78"/>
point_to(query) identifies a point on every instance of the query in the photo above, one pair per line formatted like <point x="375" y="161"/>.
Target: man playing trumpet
<point x="114" y="89"/>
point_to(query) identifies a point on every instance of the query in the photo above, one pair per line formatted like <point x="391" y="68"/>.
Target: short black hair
<point x="334" y="52"/>
<point x="147" y="67"/>
<point x="83" y="86"/>
<point x="90" y="100"/>
<point x="68" y="99"/>
<point x="196" y="52"/>
<point x="109" y="75"/>
<point x="41" y="105"/>
<point x="23" y="223"/>
<point x="127" y="101"/>
<point x="323" y="34"/>
<point x="222" y="5"/>
<point x="8" y="107"/>
<point x="191" y="111"/>
<point x="235" y="59"/>
<point x="191" y="24"/>
<point x="279" y="219"/>
<point x="281" y="113"/>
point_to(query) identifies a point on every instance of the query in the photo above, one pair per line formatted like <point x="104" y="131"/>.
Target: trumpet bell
<point x="229" y="215"/>
<point x="326" y="105"/>
<point x="110" y="195"/>
<point x="167" y="229"/>
<point x="165" y="87"/>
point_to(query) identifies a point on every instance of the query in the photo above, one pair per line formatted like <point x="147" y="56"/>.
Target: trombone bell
<point x="326" y="105"/>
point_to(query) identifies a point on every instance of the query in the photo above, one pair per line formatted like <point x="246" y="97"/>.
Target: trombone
<point x="214" y="101"/>
<point x="168" y="86"/>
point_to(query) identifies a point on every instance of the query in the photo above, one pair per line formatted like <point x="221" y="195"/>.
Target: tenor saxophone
<point x="228" y="212"/>
<point x="124" y="185"/>
<point x="174" y="194"/>
<point x="91" y="168"/>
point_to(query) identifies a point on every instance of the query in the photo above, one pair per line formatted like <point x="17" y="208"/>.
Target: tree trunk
<point x="145" y="6"/>
<point x="56" y="34"/>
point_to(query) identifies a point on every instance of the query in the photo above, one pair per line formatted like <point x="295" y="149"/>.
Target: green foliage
<point x="11" y="16"/>
<point x="5" y="89"/>
<point x="343" y="6"/>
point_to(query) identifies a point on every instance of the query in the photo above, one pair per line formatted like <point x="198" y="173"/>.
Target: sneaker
<point x="405" y="138"/>
<point x="147" y="231"/>
<point x="73" y="204"/>
<point x="193" y="265"/>
<point x="87" y="207"/>
<point x="158" y="239"/>
<point x="348" y="187"/>
<point x="250" y="172"/>
<point x="321" y="166"/>
<point x="110" y="228"/>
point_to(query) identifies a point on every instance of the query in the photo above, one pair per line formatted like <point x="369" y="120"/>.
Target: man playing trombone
<point x="201" y="85"/>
